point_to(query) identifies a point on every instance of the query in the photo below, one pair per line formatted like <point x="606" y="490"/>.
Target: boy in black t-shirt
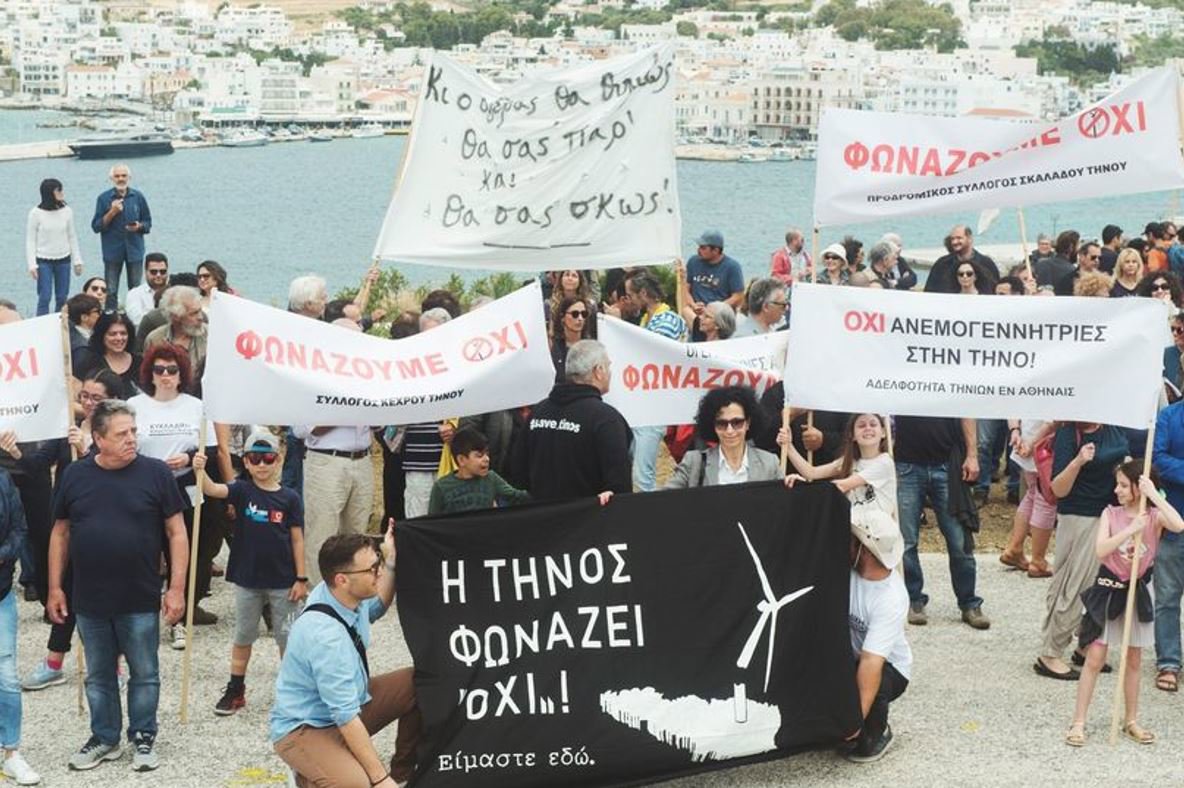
<point x="266" y="557"/>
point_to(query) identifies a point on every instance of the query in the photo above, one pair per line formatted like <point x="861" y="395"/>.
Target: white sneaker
<point x="179" y="637"/>
<point x="18" y="770"/>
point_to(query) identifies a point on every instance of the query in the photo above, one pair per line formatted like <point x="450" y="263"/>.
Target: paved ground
<point x="974" y="715"/>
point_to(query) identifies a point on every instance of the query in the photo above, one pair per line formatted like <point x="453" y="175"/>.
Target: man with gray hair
<point x="767" y="303"/>
<point x="186" y="327"/>
<point x="899" y="274"/>
<point x="121" y="219"/>
<point x="575" y="444"/>
<point x="308" y="295"/>
<point x="791" y="260"/>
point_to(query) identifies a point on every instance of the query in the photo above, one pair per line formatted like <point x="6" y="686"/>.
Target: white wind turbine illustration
<point x="769" y="607"/>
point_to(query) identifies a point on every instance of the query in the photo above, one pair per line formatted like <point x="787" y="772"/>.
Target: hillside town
<point x="761" y="75"/>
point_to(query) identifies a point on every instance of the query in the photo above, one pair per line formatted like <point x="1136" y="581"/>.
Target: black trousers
<point x="892" y="686"/>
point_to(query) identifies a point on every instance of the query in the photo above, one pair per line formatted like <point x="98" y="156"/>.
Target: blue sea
<point x="272" y="213"/>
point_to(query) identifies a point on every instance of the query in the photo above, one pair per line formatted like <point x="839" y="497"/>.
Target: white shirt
<point x="165" y="429"/>
<point x="879" y="488"/>
<point x="747" y="327"/>
<point x="349" y="439"/>
<point x="50" y="235"/>
<point x="727" y="475"/>
<point x="877" y="615"/>
<point x="141" y="300"/>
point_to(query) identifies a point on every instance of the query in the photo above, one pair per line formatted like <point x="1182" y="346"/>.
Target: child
<point x="1105" y="602"/>
<point x="472" y="485"/>
<point x="866" y="473"/>
<point x="266" y="557"/>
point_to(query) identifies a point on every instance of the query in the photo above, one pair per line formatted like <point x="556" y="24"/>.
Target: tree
<point x="1083" y="65"/>
<point x="1154" y="51"/>
<point x="687" y="29"/>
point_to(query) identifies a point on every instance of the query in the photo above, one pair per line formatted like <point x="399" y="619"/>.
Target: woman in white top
<point x="51" y="244"/>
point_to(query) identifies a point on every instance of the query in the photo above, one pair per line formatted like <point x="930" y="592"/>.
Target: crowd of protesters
<point x="294" y="501"/>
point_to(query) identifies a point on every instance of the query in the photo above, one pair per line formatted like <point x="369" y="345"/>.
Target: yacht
<point x="122" y="146"/>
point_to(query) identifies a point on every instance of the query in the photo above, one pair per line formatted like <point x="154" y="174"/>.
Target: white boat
<point x="367" y="131"/>
<point x="782" y="155"/>
<point x="245" y="139"/>
<point x="747" y="158"/>
<point x="320" y="136"/>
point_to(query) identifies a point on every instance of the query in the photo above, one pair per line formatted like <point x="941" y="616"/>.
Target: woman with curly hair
<point x="727" y="416"/>
<point x="1162" y="285"/>
<point x="110" y="349"/>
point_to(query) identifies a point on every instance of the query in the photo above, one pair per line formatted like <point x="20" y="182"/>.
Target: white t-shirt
<point x="1028" y="430"/>
<point x="879" y="488"/>
<point x="877" y="615"/>
<point x="164" y="429"/>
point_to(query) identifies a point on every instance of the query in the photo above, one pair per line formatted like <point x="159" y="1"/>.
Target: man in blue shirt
<point x="122" y="219"/>
<point x="1168" y="458"/>
<point x="326" y="704"/>
<point x="712" y="275"/>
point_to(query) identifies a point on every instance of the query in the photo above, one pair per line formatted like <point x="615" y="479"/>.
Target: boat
<point x="746" y="158"/>
<point x="122" y="146"/>
<point x="245" y="139"/>
<point x="367" y="131"/>
<point x="781" y="154"/>
<point x="320" y="136"/>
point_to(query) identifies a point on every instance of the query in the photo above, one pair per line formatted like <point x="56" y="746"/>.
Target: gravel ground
<point x="975" y="713"/>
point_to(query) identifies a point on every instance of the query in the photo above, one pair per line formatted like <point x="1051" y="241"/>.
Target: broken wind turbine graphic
<point x="713" y="729"/>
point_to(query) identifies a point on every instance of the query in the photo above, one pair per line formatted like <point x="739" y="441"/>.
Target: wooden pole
<point x="785" y="447"/>
<point x="190" y="602"/>
<point x="68" y="359"/>
<point x="1019" y="213"/>
<point x="888" y="435"/>
<point x="813" y="279"/>
<point x="1129" y="614"/>
<point x="679" y="283"/>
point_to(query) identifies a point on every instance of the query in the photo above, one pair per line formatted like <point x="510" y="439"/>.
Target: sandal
<point x="1037" y="569"/>
<point x="1076" y="735"/>
<point x="1137" y="733"/>
<point x="1014" y="561"/>
<point x="1167" y="680"/>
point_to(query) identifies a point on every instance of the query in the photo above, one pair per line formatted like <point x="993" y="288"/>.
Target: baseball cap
<point x="261" y="439"/>
<point x="880" y="534"/>
<point x="711" y="238"/>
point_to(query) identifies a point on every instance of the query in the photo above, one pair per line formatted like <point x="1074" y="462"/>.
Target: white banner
<point x="34" y="399"/>
<point x="562" y="169"/>
<point x="660" y="381"/>
<point x="1072" y="359"/>
<point x="268" y="366"/>
<point x="876" y="165"/>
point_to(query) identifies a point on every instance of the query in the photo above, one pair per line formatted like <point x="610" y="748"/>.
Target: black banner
<point x="578" y="645"/>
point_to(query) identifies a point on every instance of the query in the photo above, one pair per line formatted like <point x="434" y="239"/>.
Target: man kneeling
<point x="326" y="704"/>
<point x="879" y="607"/>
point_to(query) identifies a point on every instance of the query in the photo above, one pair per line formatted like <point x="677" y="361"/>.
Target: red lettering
<point x="411" y="369"/>
<point x="436" y="364"/>
<point x="906" y="160"/>
<point x="503" y="339"/>
<point x="33" y="362"/>
<point x="318" y="361"/>
<point x="932" y="164"/>
<point x="340" y="367"/>
<point x="1142" y="115"/>
<point x="958" y="156"/>
<point x="670" y="376"/>
<point x="691" y="379"/>
<point x="13" y="360"/>
<point x="297" y="355"/>
<point x="852" y="321"/>
<point x="1121" y="124"/>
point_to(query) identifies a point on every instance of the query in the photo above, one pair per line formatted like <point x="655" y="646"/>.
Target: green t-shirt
<point x="452" y="494"/>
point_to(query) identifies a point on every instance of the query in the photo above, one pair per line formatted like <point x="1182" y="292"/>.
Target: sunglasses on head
<point x="260" y="457"/>
<point x="165" y="369"/>
<point x="736" y="423"/>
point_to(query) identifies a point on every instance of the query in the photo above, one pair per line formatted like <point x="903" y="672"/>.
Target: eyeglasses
<point x="84" y="397"/>
<point x="374" y="570"/>
<point x="1177" y="330"/>
<point x="578" y="314"/>
<point x="966" y="274"/>
<point x="1160" y="286"/>
<point x="205" y="276"/>
<point x="162" y="369"/>
<point x="257" y="457"/>
<point x="158" y="272"/>
<point x="832" y="257"/>
<point x="98" y="288"/>
<point x="779" y="303"/>
<point x="736" y="424"/>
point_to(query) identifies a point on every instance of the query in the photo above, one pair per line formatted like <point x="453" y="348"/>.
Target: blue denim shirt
<point x="118" y="243"/>
<point x="321" y="682"/>
<point x="1168" y="453"/>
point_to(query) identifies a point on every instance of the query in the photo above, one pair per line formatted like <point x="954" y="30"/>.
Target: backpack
<point x="1042" y="455"/>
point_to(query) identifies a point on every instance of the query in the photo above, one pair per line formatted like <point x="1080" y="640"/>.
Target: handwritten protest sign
<point x="569" y="168"/>
<point x="660" y="381"/>
<point x="34" y="401"/>
<point x="268" y="366"/>
<point x="875" y="165"/>
<point x="1086" y="359"/>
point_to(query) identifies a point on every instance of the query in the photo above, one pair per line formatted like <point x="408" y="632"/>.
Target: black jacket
<point x="574" y="445"/>
<point x="942" y="276"/>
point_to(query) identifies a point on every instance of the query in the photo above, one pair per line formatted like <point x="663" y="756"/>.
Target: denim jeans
<point x="137" y="637"/>
<point x="10" y="684"/>
<point x="53" y="279"/>
<point x="993" y="438"/>
<point x="1169" y="583"/>
<point x="646" y="441"/>
<point x="914" y="482"/>
<point x="111" y="271"/>
<point x="292" y="474"/>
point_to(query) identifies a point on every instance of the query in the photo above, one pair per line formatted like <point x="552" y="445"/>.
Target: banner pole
<point x="813" y="280"/>
<point x="1116" y="707"/>
<point x="785" y="447"/>
<point x="68" y="360"/>
<point x="1019" y="213"/>
<point x="192" y="577"/>
<point x="679" y="283"/>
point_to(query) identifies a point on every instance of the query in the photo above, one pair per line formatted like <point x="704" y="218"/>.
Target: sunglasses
<point x="1177" y="330"/>
<point x="578" y="314"/>
<point x="260" y="457"/>
<point x="374" y="570"/>
<point x="161" y="369"/>
<point x="205" y="276"/>
<point x="1161" y="286"/>
<point x="736" y="423"/>
<point x="98" y="288"/>
<point x="966" y="274"/>
<point x="157" y="272"/>
<point x="831" y="257"/>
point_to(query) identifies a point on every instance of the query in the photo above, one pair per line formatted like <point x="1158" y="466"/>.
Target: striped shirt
<point x="422" y="448"/>
<point x="665" y="322"/>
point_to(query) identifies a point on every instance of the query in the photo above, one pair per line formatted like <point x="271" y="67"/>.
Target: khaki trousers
<point x="320" y="757"/>
<point x="338" y="499"/>
<point x="1075" y="570"/>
